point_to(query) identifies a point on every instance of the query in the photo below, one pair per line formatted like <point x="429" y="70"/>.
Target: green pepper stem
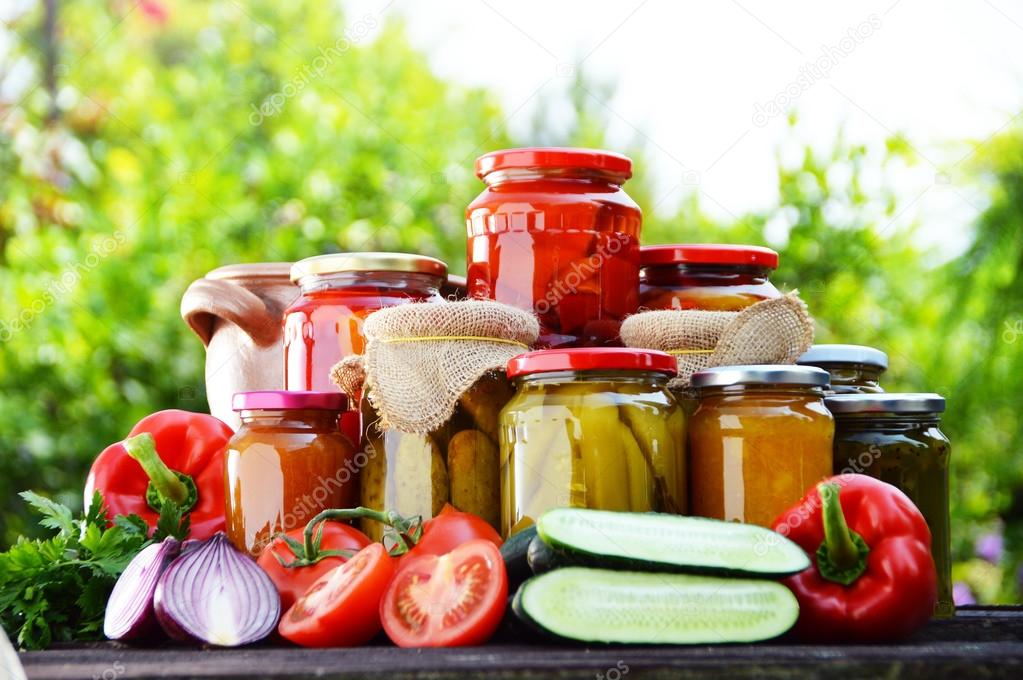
<point x="842" y="556"/>
<point x="142" y="448"/>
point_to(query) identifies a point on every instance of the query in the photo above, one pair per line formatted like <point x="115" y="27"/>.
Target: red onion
<point x="216" y="594"/>
<point x="129" y="614"/>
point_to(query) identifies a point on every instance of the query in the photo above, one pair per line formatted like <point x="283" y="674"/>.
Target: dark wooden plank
<point x="976" y="644"/>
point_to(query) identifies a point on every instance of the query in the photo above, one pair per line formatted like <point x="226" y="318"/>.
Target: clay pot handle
<point x="207" y="299"/>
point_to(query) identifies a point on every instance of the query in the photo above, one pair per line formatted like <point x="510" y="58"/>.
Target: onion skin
<point x="130" y="612"/>
<point x="215" y="594"/>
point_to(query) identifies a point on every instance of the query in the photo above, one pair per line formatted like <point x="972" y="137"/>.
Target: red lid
<point x="553" y="157"/>
<point x="283" y="400"/>
<point x="592" y="359"/>
<point x="709" y="253"/>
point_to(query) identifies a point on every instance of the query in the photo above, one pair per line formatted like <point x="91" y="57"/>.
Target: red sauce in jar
<point x="554" y="233"/>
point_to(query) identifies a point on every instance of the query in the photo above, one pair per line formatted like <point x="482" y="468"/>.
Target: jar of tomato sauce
<point x="591" y="428"/>
<point x="338" y="292"/>
<point x="706" y="276"/>
<point x="554" y="233"/>
<point x="759" y="439"/>
<point x="854" y="369"/>
<point x="286" y="463"/>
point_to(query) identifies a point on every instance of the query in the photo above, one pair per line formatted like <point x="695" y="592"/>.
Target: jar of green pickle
<point x="593" y="428"/>
<point x="854" y="369"/>
<point x="896" y="438"/>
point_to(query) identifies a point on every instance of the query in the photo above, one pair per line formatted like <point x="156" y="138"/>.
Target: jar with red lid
<point x="554" y="233"/>
<point x="593" y="428"/>
<point x="286" y="463"/>
<point x="707" y="276"/>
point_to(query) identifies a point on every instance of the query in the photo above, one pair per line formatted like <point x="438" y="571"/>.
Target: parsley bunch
<point x="56" y="590"/>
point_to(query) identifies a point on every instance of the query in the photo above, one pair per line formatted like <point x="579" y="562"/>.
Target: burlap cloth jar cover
<point x="773" y="331"/>
<point x="433" y="384"/>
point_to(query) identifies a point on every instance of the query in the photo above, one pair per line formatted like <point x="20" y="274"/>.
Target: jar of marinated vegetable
<point x="286" y="463"/>
<point x="593" y="428"/>
<point x="761" y="436"/>
<point x="337" y="293"/>
<point x="854" y="369"/>
<point x="554" y="233"/>
<point x="705" y="276"/>
<point x="896" y="438"/>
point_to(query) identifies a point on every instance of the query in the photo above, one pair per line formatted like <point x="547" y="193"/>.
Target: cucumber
<point x="515" y="551"/>
<point x="667" y="543"/>
<point x="600" y="605"/>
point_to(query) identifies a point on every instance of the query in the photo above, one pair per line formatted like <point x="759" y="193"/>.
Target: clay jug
<point x="236" y="311"/>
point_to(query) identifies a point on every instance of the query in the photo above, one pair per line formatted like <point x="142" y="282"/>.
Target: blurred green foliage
<point x="225" y="132"/>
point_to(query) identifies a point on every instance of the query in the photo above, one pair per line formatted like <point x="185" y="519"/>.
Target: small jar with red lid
<point x="286" y="463"/>
<point x="591" y="428"/>
<point x="554" y="233"/>
<point x="706" y="276"/>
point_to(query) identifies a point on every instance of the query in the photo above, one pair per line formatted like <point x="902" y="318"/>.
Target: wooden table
<point x="977" y="643"/>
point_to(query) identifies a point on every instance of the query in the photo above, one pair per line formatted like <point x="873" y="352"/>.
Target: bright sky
<point x="698" y="79"/>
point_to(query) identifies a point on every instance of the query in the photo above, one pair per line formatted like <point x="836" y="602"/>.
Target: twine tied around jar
<point x="775" y="331"/>
<point x="420" y="358"/>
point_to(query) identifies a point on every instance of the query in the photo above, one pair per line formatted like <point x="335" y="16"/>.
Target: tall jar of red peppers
<point x="554" y="233"/>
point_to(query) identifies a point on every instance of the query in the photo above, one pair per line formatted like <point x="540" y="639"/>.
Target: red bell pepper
<point x="872" y="577"/>
<point x="186" y="466"/>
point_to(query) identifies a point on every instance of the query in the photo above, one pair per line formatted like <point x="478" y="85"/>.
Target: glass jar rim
<point x="592" y="359"/>
<point x="337" y="263"/>
<point x="709" y="254"/>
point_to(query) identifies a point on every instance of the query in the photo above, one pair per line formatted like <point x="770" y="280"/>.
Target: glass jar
<point x="286" y="463"/>
<point x="854" y="369"/>
<point x="457" y="463"/>
<point x="705" y="276"/>
<point x="554" y="233"/>
<point x="759" y="439"/>
<point x="896" y="438"/>
<point x="592" y="428"/>
<point x="324" y="324"/>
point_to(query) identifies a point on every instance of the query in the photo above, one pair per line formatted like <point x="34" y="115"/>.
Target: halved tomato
<point x="342" y="609"/>
<point x="451" y="600"/>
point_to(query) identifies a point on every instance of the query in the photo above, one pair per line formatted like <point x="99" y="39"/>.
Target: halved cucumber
<point x="658" y="542"/>
<point x="600" y="605"/>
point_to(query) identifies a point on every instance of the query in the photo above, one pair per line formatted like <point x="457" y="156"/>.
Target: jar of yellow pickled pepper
<point x="854" y="369"/>
<point x="761" y="436"/>
<point x="897" y="439"/>
<point x="592" y="428"/>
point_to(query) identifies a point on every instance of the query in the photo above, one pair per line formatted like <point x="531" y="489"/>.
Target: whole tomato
<point x="450" y="529"/>
<point x="293" y="581"/>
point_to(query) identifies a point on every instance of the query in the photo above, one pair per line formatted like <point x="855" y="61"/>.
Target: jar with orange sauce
<point x="707" y="276"/>
<point x="286" y="463"/>
<point x="759" y="439"/>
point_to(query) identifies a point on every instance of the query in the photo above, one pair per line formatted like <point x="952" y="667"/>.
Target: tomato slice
<point x="342" y="609"/>
<point x="450" y="600"/>
<point x="291" y="582"/>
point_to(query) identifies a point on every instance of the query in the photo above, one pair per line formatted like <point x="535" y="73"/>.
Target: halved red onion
<point x="129" y="614"/>
<point x="216" y="594"/>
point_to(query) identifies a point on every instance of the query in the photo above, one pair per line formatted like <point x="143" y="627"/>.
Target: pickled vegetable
<point x="474" y="475"/>
<point x="604" y="444"/>
<point x="913" y="456"/>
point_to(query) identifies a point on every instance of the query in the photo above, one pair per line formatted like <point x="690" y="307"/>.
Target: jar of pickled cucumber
<point x="897" y="439"/>
<point x="457" y="463"/>
<point x="759" y="439"/>
<point x="591" y="428"/>
<point x="705" y="276"/>
<point x="854" y="369"/>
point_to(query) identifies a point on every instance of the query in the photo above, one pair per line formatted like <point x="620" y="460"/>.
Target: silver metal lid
<point x="888" y="402"/>
<point x="768" y="374"/>
<point x="844" y="354"/>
